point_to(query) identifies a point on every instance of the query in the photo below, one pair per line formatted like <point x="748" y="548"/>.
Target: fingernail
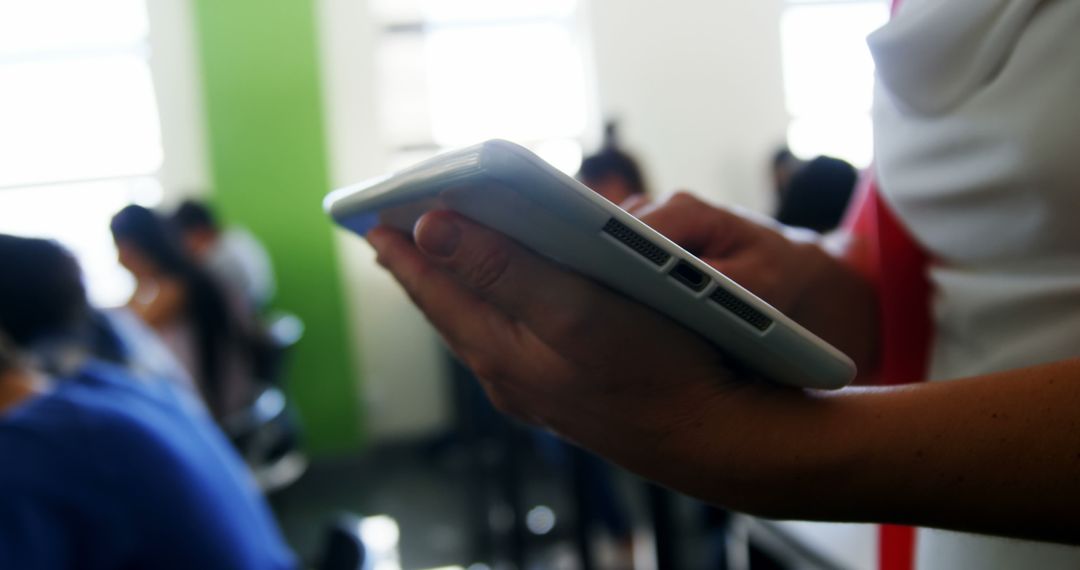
<point x="438" y="236"/>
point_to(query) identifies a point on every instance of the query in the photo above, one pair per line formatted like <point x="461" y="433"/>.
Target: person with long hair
<point x="187" y="308"/>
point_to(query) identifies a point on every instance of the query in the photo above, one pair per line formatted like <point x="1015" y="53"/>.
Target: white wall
<point x="697" y="86"/>
<point x="400" y="360"/>
<point x="178" y="87"/>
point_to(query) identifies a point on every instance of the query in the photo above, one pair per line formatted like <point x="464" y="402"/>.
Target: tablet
<point x="509" y="189"/>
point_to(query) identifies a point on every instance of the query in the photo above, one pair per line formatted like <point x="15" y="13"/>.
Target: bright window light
<point x="564" y="154"/>
<point x="32" y="28"/>
<point x="456" y="72"/>
<point x="77" y="118"/>
<point x="499" y="11"/>
<point x="77" y="215"/>
<point x="845" y="136"/>
<point x="79" y="129"/>
<point x="402" y="90"/>
<point x="520" y="82"/>
<point x="829" y="76"/>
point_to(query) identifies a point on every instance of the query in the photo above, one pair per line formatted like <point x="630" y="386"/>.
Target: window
<point x="79" y="129"/>
<point x="829" y="76"/>
<point x="456" y="72"/>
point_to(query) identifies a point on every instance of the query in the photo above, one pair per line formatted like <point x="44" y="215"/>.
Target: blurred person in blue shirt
<point x="99" y="469"/>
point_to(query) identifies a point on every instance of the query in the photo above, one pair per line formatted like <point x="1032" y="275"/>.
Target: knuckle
<point x="684" y="198"/>
<point x="501" y="402"/>
<point x="571" y="322"/>
<point x="486" y="270"/>
<point x="486" y="369"/>
<point x="510" y="406"/>
<point x="498" y="397"/>
<point x="415" y="277"/>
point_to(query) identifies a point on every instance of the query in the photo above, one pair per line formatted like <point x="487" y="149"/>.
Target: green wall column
<point x="268" y="153"/>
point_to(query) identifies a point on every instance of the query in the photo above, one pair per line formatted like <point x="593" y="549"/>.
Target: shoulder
<point x="69" y="447"/>
<point x="242" y="242"/>
<point x="935" y="55"/>
<point x="102" y="406"/>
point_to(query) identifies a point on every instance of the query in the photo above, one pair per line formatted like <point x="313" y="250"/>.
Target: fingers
<point x="561" y="308"/>
<point x="694" y="224"/>
<point x="465" y="321"/>
<point x="482" y="336"/>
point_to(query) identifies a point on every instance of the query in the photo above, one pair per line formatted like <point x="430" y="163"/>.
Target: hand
<point x="556" y="349"/>
<point x="752" y="252"/>
<point x="550" y="346"/>
<point x="786" y="267"/>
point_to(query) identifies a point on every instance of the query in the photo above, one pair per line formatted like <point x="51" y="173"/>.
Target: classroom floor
<point x="426" y="490"/>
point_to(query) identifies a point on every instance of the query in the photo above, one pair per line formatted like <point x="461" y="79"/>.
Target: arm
<point x="998" y="454"/>
<point x="994" y="455"/>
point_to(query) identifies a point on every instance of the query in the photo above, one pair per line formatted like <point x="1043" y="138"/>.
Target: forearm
<point x="996" y="455"/>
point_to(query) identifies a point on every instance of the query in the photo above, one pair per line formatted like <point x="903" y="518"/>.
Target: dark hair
<point x="611" y="160"/>
<point x="7" y="355"/>
<point x="194" y="215"/>
<point x="781" y="156"/>
<point x="41" y="289"/>
<point x="204" y="302"/>
<point x="818" y="194"/>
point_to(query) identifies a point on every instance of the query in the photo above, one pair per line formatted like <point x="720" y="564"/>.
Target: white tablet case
<point x="505" y="187"/>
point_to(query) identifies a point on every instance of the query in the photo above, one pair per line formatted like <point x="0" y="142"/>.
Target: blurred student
<point x="782" y="167"/>
<point x="100" y="470"/>
<point x="817" y="194"/>
<point x="612" y="172"/>
<point x="52" y="284"/>
<point x="188" y="309"/>
<point x="233" y="256"/>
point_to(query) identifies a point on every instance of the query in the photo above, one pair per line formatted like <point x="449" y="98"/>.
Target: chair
<point x="343" y="548"/>
<point x="266" y="432"/>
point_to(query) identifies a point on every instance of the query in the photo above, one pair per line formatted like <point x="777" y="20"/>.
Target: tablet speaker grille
<point x="740" y="308"/>
<point x="636" y="242"/>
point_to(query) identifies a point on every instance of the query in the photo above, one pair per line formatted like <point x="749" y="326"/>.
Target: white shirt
<point x="240" y="262"/>
<point x="977" y="139"/>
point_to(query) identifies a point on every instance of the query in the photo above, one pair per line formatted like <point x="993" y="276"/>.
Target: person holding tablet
<point x="975" y="123"/>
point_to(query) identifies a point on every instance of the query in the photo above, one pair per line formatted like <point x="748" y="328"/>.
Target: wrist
<point x="773" y="452"/>
<point x="837" y="303"/>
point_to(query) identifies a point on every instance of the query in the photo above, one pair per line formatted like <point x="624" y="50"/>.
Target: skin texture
<point x="592" y="366"/>
<point x="199" y="241"/>
<point x="158" y="299"/>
